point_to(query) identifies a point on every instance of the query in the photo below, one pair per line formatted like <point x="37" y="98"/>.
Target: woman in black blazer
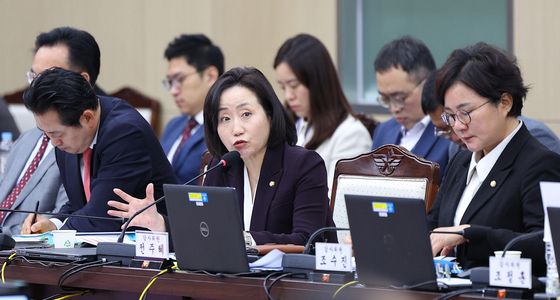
<point x="490" y="194"/>
<point x="281" y="188"/>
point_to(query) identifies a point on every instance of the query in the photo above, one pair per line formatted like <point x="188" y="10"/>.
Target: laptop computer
<point x="554" y="221"/>
<point x="75" y="255"/>
<point x="391" y="242"/>
<point x="206" y="228"/>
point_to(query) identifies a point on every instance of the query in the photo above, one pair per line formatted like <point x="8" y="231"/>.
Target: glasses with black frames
<point x="462" y="116"/>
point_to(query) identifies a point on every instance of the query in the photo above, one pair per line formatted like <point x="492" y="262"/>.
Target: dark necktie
<point x="191" y="124"/>
<point x="11" y="199"/>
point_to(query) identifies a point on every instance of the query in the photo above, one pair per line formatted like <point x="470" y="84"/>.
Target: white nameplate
<point x="510" y="272"/>
<point x="152" y="244"/>
<point x="333" y="257"/>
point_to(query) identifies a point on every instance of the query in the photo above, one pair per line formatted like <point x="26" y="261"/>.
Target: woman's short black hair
<point x="485" y="69"/>
<point x="282" y="129"/>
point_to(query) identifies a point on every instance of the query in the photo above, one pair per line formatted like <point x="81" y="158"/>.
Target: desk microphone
<point x="120" y="250"/>
<point x="519" y="238"/>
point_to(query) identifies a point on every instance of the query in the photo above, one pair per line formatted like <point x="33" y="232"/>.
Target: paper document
<point x="94" y="238"/>
<point x="270" y="262"/>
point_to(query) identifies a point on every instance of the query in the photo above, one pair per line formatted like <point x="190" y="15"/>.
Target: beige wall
<point x="133" y="34"/>
<point x="537" y="47"/>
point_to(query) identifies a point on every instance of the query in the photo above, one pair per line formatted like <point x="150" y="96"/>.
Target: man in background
<point x="194" y="64"/>
<point x="401" y="67"/>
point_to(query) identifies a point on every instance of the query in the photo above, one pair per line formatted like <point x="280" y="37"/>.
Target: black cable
<point x="418" y="285"/>
<point x="72" y="271"/>
<point x="520" y="238"/>
<point x="458" y="293"/>
<point x="268" y="288"/>
<point x="224" y="275"/>
<point x="56" y="296"/>
<point x="265" y="286"/>
<point x="317" y="232"/>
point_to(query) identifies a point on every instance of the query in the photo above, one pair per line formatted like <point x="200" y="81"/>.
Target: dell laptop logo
<point x="204" y="229"/>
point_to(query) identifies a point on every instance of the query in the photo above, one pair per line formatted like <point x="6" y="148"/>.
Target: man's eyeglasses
<point x="175" y="82"/>
<point x="30" y="76"/>
<point x="396" y="99"/>
<point x="462" y="115"/>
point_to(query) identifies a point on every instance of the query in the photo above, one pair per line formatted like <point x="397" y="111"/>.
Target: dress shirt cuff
<point x="249" y="240"/>
<point x="57" y="222"/>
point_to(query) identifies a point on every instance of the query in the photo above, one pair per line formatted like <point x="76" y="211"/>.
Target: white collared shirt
<point x="56" y="221"/>
<point x="200" y="120"/>
<point x="304" y="132"/>
<point x="411" y="136"/>
<point x="483" y="168"/>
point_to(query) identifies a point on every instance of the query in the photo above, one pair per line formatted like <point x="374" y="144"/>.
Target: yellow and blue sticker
<point x="198" y="198"/>
<point x="383" y="208"/>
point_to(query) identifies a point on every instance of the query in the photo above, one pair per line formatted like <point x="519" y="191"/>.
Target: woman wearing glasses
<point x="325" y="122"/>
<point x="491" y="194"/>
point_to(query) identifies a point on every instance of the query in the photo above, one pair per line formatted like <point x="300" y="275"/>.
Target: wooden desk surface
<point x="127" y="283"/>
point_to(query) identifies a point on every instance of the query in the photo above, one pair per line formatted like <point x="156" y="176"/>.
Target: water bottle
<point x="5" y="147"/>
<point x="552" y="285"/>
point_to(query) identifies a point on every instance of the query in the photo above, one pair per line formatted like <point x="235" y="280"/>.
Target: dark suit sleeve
<point x="483" y="239"/>
<point x="310" y="202"/>
<point x="124" y="162"/>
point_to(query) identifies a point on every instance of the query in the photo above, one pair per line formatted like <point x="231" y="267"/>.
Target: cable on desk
<point x="63" y="296"/>
<point x="342" y="287"/>
<point x="6" y="263"/>
<point x="72" y="271"/>
<point x="458" y="293"/>
<point x="268" y="288"/>
<point x="225" y="275"/>
<point x="153" y="280"/>
<point x="419" y="285"/>
<point x="46" y="264"/>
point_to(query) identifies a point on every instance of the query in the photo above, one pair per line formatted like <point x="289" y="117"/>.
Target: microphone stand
<point x="124" y="253"/>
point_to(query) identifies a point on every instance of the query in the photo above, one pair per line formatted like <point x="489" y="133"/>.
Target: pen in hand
<point x="35" y="214"/>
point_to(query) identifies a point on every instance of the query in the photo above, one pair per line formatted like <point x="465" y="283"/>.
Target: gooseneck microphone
<point x="519" y="238"/>
<point x="124" y="252"/>
<point x="227" y="160"/>
<point x="62" y="215"/>
<point x="7" y="242"/>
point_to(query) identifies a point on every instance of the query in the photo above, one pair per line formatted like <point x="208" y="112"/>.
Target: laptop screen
<point x="391" y="241"/>
<point x="206" y="228"/>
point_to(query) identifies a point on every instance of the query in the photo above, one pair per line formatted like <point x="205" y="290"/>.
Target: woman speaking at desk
<point x="283" y="187"/>
<point x="492" y="192"/>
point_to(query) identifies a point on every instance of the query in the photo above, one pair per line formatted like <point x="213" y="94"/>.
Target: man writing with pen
<point x="101" y="143"/>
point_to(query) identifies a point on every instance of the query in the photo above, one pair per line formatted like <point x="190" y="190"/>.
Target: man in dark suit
<point x="101" y="143"/>
<point x="401" y="67"/>
<point x="68" y="48"/>
<point x="194" y="65"/>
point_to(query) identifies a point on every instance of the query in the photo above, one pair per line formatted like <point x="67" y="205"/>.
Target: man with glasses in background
<point x="401" y="68"/>
<point x="32" y="173"/>
<point x="194" y="64"/>
<point x="434" y="109"/>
